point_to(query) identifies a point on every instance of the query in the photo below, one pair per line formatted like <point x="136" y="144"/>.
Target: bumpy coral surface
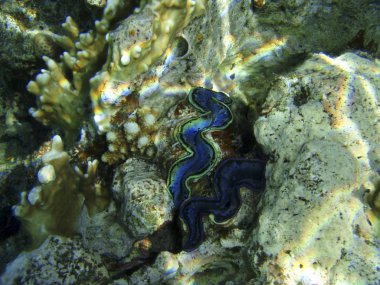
<point x="136" y="133"/>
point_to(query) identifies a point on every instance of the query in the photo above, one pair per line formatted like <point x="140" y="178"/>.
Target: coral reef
<point x="121" y="87"/>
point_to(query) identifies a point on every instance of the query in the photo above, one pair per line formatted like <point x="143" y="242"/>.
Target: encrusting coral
<point x="53" y="207"/>
<point x="133" y="134"/>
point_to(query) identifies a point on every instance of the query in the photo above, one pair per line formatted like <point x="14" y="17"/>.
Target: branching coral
<point x="65" y="87"/>
<point x="147" y="36"/>
<point x="61" y="101"/>
<point x="53" y="207"/>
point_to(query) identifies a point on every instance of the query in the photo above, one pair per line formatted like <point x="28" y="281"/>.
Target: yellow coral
<point x="136" y="135"/>
<point x="60" y="104"/>
<point x="60" y="101"/>
<point x="53" y="207"/>
<point x="168" y="18"/>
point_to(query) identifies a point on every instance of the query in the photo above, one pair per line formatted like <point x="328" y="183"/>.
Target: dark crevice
<point x="167" y="238"/>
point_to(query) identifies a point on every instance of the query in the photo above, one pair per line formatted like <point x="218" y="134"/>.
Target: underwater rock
<point x="26" y="27"/>
<point x="145" y="204"/>
<point x="57" y="261"/>
<point x="101" y="233"/>
<point x="320" y="127"/>
<point x="211" y="264"/>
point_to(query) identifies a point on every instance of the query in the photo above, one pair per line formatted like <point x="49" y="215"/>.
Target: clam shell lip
<point x="215" y="115"/>
<point x="230" y="175"/>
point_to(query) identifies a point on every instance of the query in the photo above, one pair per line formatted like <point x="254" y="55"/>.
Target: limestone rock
<point x="145" y="204"/>
<point x="56" y="261"/>
<point x="103" y="234"/>
<point x="320" y="129"/>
